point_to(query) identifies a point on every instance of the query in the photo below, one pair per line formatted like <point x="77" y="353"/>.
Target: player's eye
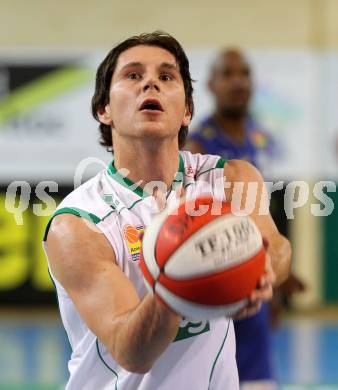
<point x="133" y="76"/>
<point x="246" y="72"/>
<point x="166" y="77"/>
<point x="227" y="73"/>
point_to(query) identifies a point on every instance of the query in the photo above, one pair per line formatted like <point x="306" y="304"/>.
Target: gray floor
<point x="34" y="351"/>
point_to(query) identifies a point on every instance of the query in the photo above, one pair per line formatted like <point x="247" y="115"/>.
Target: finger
<point x="269" y="272"/>
<point x="267" y="294"/>
<point x="248" y="311"/>
<point x="254" y="309"/>
<point x="263" y="281"/>
<point x="266" y="279"/>
<point x="270" y="275"/>
<point x="272" y="278"/>
<point x="180" y="191"/>
<point x="262" y="294"/>
<point x="240" y="314"/>
<point x="265" y="243"/>
<point x="160" y="198"/>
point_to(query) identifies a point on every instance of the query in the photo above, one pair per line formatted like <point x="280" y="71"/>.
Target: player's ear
<point x="187" y="116"/>
<point x="104" y="115"/>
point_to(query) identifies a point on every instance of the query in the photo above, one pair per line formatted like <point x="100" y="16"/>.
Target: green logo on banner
<point x="189" y="328"/>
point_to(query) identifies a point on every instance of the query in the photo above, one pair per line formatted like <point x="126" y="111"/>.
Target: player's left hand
<point x="262" y="293"/>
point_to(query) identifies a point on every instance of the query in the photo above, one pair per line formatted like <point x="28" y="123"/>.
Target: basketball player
<point x="122" y="337"/>
<point x="232" y="133"/>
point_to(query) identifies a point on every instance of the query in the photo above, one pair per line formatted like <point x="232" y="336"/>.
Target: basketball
<point x="201" y="261"/>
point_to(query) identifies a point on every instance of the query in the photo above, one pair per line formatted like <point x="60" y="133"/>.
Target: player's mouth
<point x="151" y="106"/>
<point x="240" y="93"/>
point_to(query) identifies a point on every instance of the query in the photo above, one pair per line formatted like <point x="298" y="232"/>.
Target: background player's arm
<point x="135" y="332"/>
<point x="279" y="248"/>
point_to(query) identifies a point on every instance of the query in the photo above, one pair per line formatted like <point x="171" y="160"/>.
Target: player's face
<point x="231" y="84"/>
<point x="147" y="97"/>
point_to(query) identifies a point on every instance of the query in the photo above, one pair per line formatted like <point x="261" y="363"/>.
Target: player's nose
<point x="150" y="83"/>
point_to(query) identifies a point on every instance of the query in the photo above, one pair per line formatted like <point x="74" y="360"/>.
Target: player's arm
<point x="136" y="332"/>
<point x="278" y="248"/>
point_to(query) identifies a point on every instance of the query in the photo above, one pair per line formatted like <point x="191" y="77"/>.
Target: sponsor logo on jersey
<point x="132" y="236"/>
<point x="208" y="132"/>
<point x="259" y="139"/>
<point x="189" y="171"/>
<point x="114" y="202"/>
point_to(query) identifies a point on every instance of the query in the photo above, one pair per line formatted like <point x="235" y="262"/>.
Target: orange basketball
<point x="202" y="264"/>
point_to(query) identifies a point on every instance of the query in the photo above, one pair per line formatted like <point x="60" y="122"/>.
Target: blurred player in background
<point x="123" y="337"/>
<point x="233" y="133"/>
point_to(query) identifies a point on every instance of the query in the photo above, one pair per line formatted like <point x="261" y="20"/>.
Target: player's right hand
<point x="262" y="293"/>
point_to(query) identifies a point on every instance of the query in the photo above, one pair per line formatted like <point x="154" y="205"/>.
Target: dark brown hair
<point x="107" y="67"/>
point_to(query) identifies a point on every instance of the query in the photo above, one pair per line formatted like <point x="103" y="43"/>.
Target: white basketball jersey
<point x="202" y="356"/>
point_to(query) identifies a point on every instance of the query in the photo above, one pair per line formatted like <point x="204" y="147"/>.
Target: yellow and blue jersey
<point x="257" y="148"/>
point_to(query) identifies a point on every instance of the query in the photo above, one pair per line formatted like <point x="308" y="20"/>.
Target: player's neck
<point x="234" y="127"/>
<point x="148" y="162"/>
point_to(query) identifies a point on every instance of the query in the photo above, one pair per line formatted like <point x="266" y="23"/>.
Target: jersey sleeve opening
<point x="74" y="211"/>
<point x="221" y="162"/>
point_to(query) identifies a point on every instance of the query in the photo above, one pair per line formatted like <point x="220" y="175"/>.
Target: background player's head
<point x="106" y="70"/>
<point x="230" y="83"/>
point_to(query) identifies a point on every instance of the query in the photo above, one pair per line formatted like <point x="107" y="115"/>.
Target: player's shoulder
<point x="89" y="196"/>
<point x="196" y="163"/>
<point x="88" y="201"/>
<point x="241" y="170"/>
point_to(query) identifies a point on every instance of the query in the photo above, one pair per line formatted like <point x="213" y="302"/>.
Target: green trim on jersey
<point x="189" y="184"/>
<point x="110" y="212"/>
<point x="124" y="181"/>
<point x="75" y="211"/>
<point x="219" y="352"/>
<point x="136" y="201"/>
<point x="103" y="361"/>
<point x="127" y="183"/>
<point x="179" y="176"/>
<point x="220" y="164"/>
